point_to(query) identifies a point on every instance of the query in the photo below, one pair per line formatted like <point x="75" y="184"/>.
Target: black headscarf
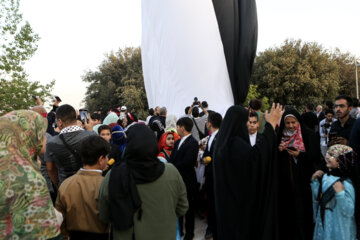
<point x="140" y="166"/>
<point x="286" y="113"/>
<point x="293" y="179"/>
<point x="235" y="126"/>
<point x="245" y="180"/>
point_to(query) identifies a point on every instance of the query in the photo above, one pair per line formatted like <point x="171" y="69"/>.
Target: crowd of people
<point x="279" y="174"/>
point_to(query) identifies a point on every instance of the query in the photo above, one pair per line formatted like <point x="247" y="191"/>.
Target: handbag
<point x="201" y="135"/>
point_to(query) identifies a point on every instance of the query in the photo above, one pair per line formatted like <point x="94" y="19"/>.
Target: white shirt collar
<point x="252" y="139"/>
<point x="90" y="170"/>
<point x="214" y="133"/>
<point x="185" y="137"/>
<point x="211" y="139"/>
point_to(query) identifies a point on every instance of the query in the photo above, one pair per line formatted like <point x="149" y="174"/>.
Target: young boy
<point x="77" y="197"/>
<point x="105" y="132"/>
<point x="252" y="126"/>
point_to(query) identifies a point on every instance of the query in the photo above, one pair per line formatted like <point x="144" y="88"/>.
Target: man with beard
<point x="341" y="129"/>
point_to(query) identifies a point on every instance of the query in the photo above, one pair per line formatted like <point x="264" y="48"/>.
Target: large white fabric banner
<point x="183" y="56"/>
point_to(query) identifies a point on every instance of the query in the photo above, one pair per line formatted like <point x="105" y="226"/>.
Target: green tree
<point x="17" y="45"/>
<point x="18" y="41"/>
<point x="346" y="63"/>
<point x="118" y="81"/>
<point x="17" y="93"/>
<point x="254" y="94"/>
<point x="297" y="73"/>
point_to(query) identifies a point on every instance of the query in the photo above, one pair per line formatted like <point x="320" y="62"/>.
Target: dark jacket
<point x="207" y="153"/>
<point x="65" y="161"/>
<point x="321" y="116"/>
<point x="158" y="125"/>
<point x="184" y="160"/>
<point x="355" y="137"/>
<point x="337" y="130"/>
<point x="310" y="120"/>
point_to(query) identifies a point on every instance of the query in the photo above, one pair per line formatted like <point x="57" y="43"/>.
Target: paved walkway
<point x="200" y="228"/>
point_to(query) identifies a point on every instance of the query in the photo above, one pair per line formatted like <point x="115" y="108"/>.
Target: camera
<point x="326" y="125"/>
<point x="83" y="115"/>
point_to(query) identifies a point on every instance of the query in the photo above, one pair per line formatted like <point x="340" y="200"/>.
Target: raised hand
<point x="275" y="115"/>
<point x="317" y="174"/>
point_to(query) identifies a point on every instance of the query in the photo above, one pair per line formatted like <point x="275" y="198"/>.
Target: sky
<point x="77" y="35"/>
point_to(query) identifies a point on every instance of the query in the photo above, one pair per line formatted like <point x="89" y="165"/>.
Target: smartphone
<point x="292" y="148"/>
<point x="83" y="115"/>
<point x="34" y="97"/>
<point x="332" y="135"/>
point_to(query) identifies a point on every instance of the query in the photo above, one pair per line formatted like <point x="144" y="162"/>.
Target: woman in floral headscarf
<point x="334" y="195"/>
<point x="26" y="210"/>
<point x="298" y="158"/>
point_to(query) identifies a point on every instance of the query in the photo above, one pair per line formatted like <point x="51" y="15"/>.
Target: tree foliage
<point x="118" y="81"/>
<point x="17" y="93"/>
<point x="18" y="43"/>
<point x="297" y="73"/>
<point x="346" y="62"/>
<point x="254" y="94"/>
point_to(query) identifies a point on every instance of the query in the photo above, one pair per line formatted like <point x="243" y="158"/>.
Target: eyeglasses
<point x="340" y="106"/>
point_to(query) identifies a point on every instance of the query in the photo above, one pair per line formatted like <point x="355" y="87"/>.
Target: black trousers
<point x="209" y="188"/>
<point x="190" y="214"/>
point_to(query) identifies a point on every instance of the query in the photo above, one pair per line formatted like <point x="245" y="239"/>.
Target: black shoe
<point x="188" y="236"/>
<point x="208" y="234"/>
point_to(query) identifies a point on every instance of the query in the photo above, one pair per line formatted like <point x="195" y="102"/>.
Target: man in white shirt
<point x="252" y="126"/>
<point x="199" y="122"/>
<point x="324" y="129"/>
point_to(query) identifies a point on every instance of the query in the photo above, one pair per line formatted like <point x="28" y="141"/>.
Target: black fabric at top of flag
<point x="237" y="20"/>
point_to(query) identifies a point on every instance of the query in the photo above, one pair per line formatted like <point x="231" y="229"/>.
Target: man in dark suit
<point x="184" y="157"/>
<point x="213" y="124"/>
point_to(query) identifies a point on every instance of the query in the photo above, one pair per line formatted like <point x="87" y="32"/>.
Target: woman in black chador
<point x="245" y="178"/>
<point x="298" y="158"/>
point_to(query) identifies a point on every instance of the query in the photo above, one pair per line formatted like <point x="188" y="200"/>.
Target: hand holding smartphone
<point x="83" y="115"/>
<point x="292" y="148"/>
